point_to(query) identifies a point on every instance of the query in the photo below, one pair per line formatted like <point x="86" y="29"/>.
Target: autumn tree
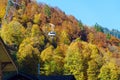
<point x="92" y="58"/>
<point x="31" y="9"/>
<point x="35" y="31"/>
<point x="37" y="18"/>
<point x="64" y="37"/>
<point x="59" y="55"/>
<point x="70" y="52"/>
<point x="28" y="29"/>
<point x="96" y="55"/>
<point x="2" y="8"/>
<point x="109" y="71"/>
<point x="74" y="61"/>
<point x="46" y="57"/>
<point x="28" y="55"/>
<point x="13" y="33"/>
<point x="80" y="59"/>
<point x="93" y="70"/>
<point x="53" y="60"/>
<point x="34" y="44"/>
<point x="71" y="29"/>
<point x="57" y="16"/>
<point x="37" y="38"/>
<point x="90" y="37"/>
<point x="100" y="39"/>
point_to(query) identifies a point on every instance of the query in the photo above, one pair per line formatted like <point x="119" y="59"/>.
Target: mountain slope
<point x="76" y="49"/>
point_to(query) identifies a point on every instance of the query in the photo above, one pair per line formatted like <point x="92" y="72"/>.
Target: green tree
<point x="108" y="36"/>
<point x="98" y="27"/>
<point x="80" y="25"/>
<point x="47" y="11"/>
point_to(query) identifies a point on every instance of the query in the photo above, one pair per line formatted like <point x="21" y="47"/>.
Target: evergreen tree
<point x="108" y="36"/>
<point x="47" y="11"/>
<point x="98" y="27"/>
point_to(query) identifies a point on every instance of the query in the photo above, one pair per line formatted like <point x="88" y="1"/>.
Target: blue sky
<point x="103" y="12"/>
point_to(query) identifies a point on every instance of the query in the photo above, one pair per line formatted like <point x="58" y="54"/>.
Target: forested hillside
<point x="75" y="49"/>
<point x="112" y="32"/>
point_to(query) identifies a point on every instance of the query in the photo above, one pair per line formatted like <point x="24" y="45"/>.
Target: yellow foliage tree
<point x="2" y="8"/>
<point x="13" y="33"/>
<point x="93" y="70"/>
<point x="35" y="31"/>
<point x="74" y="61"/>
<point x="109" y="71"/>
<point x="37" y="18"/>
<point x="64" y="38"/>
<point x="28" y="57"/>
<point x="90" y="37"/>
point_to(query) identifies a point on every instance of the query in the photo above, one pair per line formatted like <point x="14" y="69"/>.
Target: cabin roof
<point x="6" y="60"/>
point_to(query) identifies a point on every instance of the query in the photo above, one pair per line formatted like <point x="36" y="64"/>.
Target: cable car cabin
<point x="6" y="63"/>
<point x="52" y="34"/>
